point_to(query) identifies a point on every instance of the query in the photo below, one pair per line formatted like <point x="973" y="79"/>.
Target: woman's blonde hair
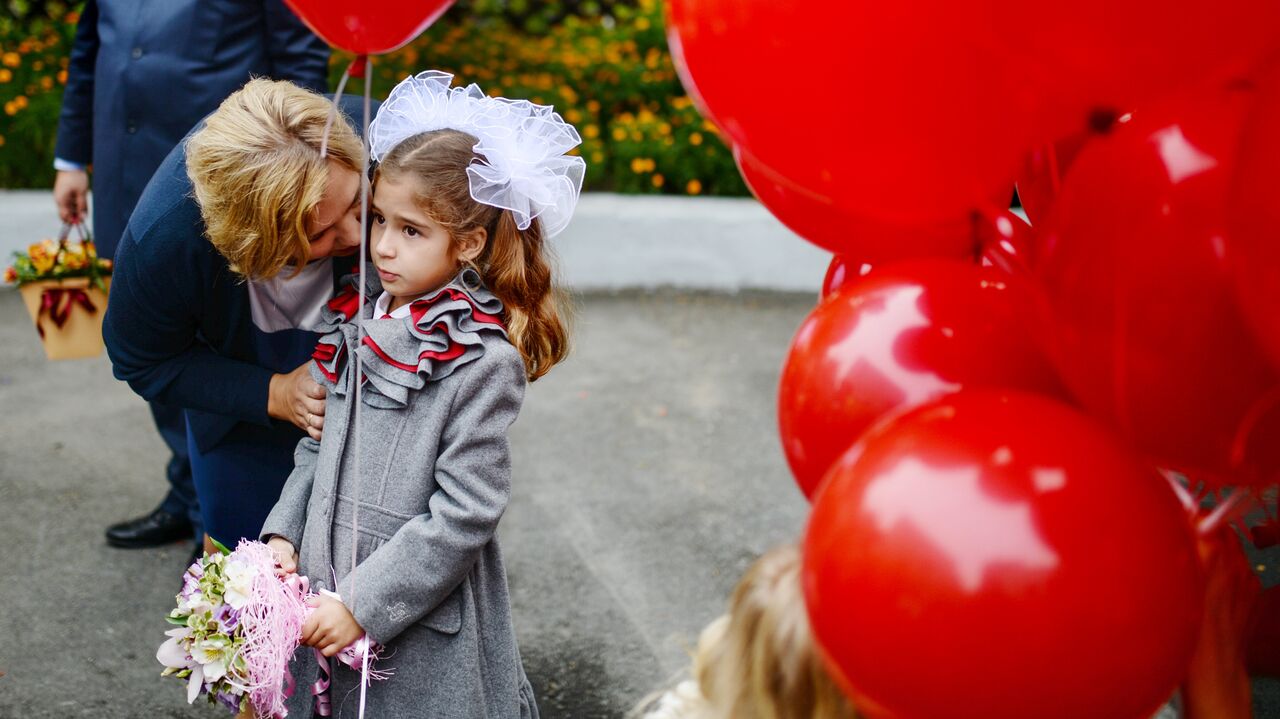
<point x="759" y="661"/>
<point x="515" y="264"/>
<point x="258" y="174"/>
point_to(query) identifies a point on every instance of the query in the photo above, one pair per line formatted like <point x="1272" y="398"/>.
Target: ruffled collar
<point x="445" y="330"/>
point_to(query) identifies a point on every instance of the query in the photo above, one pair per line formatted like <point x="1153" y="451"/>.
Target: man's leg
<point x="178" y="516"/>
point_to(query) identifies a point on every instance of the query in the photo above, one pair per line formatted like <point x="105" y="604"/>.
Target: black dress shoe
<point x="153" y="530"/>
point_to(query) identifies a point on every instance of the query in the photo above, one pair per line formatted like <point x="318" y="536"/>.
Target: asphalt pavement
<point x="647" y="477"/>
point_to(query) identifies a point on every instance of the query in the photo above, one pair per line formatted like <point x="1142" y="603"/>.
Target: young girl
<point x="759" y="660"/>
<point x="466" y="190"/>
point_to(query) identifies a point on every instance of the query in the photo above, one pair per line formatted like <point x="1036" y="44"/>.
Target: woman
<point x="234" y="247"/>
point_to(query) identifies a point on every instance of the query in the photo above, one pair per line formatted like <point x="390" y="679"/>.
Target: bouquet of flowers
<point x="59" y="259"/>
<point x="238" y="624"/>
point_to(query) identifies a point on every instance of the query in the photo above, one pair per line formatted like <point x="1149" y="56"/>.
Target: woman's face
<point x="334" y="227"/>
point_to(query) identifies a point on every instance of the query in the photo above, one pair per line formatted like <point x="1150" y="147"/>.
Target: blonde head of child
<point x="759" y="660"/>
<point x="427" y="224"/>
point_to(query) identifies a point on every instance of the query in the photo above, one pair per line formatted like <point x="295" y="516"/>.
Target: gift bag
<point x="64" y="286"/>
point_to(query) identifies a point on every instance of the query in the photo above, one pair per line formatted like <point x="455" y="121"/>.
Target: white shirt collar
<point x="384" y="301"/>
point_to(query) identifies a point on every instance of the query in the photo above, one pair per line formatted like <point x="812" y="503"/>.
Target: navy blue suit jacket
<point x="179" y="327"/>
<point x="144" y="72"/>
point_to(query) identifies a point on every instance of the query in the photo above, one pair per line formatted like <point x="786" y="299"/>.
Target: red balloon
<point x="1006" y="242"/>
<point x="1134" y="265"/>
<point x="904" y="334"/>
<point x="1095" y="59"/>
<point x="824" y="223"/>
<point x="1254" y="250"/>
<point x="998" y="555"/>
<point x="368" y="28"/>
<point x="863" y="104"/>
<point x="1042" y="175"/>
<point x="839" y="273"/>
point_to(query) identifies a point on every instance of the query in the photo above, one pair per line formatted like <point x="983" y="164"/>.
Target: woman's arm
<point x="153" y="321"/>
<point x="152" y="324"/>
<point x="430" y="555"/>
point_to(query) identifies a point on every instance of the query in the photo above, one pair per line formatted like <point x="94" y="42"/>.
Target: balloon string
<point x="333" y="113"/>
<point x="1233" y="507"/>
<point x="1184" y="495"/>
<point x="364" y="234"/>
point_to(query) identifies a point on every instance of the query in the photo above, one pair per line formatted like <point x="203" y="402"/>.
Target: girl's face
<point x="413" y="253"/>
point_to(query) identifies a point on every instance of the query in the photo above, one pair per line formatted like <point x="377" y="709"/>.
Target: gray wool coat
<point x="429" y="582"/>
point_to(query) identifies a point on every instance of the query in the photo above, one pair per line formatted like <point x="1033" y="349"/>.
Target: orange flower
<point x="10" y="275"/>
<point x="21" y="102"/>
<point x="6" y="74"/>
<point x="11" y="59"/>
<point x="693" y="188"/>
<point x="43" y="255"/>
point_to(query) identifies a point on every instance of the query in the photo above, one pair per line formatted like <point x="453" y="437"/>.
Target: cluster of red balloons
<point x="977" y="407"/>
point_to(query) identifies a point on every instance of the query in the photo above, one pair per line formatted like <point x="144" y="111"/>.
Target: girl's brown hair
<point x="514" y="265"/>
<point x="257" y="173"/>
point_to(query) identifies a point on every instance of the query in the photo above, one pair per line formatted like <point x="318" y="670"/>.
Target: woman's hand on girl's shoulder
<point x="296" y="398"/>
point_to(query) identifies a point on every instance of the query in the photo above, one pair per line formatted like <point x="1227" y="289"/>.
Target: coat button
<point x="132" y="128"/>
<point x="137" y="53"/>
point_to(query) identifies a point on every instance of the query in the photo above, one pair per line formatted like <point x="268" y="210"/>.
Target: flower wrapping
<point x="238" y="624"/>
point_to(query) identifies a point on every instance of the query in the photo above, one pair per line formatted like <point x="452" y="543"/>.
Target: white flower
<point x="173" y="653"/>
<point x="212" y="654"/>
<point x="239" y="584"/>
<point x="194" y="683"/>
<point x="197" y="603"/>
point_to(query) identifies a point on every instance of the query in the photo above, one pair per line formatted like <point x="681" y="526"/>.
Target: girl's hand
<point x="286" y="555"/>
<point x="330" y="628"/>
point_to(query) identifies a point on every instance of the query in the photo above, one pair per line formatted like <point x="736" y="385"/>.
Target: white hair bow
<point x="525" y="168"/>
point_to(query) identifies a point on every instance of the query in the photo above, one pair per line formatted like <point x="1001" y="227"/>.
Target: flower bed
<point x="604" y="65"/>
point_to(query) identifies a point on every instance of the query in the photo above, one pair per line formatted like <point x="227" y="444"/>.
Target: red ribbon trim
<point x="57" y="303"/>
<point x="419" y="308"/>
<point x="454" y="350"/>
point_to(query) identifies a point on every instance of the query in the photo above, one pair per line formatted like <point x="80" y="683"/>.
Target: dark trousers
<point x="239" y="479"/>
<point x="171" y="422"/>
